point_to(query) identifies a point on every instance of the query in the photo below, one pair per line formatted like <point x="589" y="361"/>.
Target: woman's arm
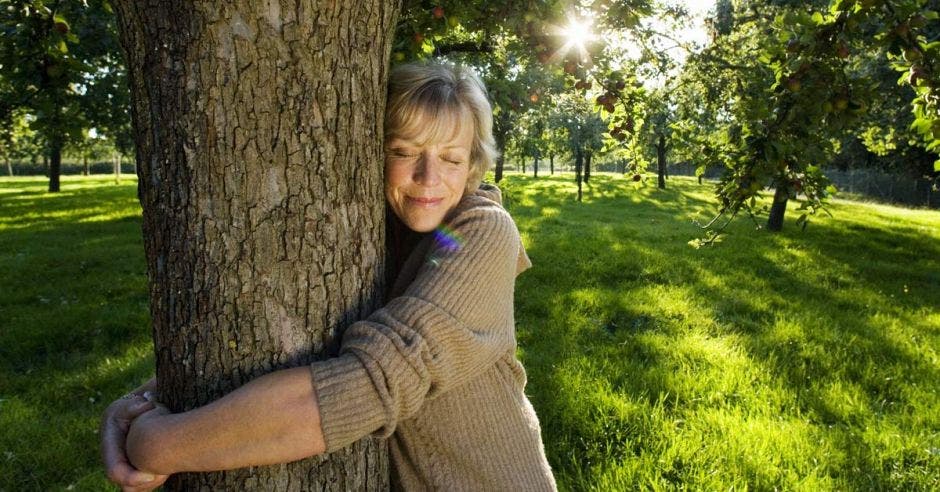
<point x="450" y="325"/>
<point x="453" y="322"/>
<point x="272" y="419"/>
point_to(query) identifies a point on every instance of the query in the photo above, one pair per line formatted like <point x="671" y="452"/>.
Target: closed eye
<point x="402" y="153"/>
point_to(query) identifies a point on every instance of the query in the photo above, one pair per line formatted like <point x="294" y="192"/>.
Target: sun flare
<point x="578" y="34"/>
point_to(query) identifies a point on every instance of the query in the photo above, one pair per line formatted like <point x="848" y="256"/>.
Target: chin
<point x="423" y="224"/>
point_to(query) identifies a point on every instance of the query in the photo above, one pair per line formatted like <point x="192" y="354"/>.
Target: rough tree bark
<point x="258" y="129"/>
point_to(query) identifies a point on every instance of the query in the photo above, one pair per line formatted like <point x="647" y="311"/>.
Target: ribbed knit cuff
<point x="350" y="408"/>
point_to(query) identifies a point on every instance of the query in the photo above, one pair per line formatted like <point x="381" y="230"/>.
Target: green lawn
<point x="801" y="360"/>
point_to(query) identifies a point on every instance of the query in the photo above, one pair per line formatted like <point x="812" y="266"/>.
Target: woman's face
<point x="425" y="181"/>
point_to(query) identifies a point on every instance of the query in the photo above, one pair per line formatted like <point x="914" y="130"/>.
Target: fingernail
<point x="147" y="478"/>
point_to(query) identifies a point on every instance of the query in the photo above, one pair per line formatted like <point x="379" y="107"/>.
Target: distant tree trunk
<point x="263" y="210"/>
<point x="661" y="160"/>
<point x="587" y="166"/>
<point x="535" y="166"/>
<point x="116" y="166"/>
<point x="700" y="178"/>
<point x="501" y="158"/>
<point x="55" y="164"/>
<point x="45" y="164"/>
<point x="778" y="208"/>
<point x="551" y="164"/>
<point x="578" y="165"/>
<point x="522" y="160"/>
<point x="84" y="164"/>
<point x="9" y="166"/>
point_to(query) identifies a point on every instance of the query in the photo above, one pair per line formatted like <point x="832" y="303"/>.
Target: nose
<point x="428" y="170"/>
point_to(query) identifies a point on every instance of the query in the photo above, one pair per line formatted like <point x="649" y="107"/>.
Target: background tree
<point x="585" y="134"/>
<point x="53" y="55"/>
<point x="773" y="62"/>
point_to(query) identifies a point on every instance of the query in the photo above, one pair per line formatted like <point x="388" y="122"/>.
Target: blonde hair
<point x="431" y="101"/>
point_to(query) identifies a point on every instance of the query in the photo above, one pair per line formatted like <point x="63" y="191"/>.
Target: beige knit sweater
<point x="435" y="369"/>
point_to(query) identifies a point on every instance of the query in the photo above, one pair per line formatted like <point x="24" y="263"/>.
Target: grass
<point x="796" y="361"/>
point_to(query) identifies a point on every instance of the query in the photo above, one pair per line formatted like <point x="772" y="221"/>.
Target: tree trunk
<point x="587" y="166"/>
<point x="55" y="164"/>
<point x="258" y="131"/>
<point x="535" y="166"/>
<point x="523" y="164"/>
<point x="501" y="149"/>
<point x="84" y="165"/>
<point x="498" y="172"/>
<point x="578" y="166"/>
<point x="551" y="164"/>
<point x="9" y="166"/>
<point x="778" y="208"/>
<point x="661" y="160"/>
<point x="115" y="170"/>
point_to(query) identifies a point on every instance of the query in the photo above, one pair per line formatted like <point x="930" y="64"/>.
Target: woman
<point x="434" y="370"/>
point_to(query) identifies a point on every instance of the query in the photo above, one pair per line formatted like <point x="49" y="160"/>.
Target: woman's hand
<point x="115" y="424"/>
<point x="143" y="446"/>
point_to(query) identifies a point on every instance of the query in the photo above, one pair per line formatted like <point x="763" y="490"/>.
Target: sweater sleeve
<point x="453" y="322"/>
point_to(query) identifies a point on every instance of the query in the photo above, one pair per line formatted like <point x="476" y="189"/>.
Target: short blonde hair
<point x="431" y="100"/>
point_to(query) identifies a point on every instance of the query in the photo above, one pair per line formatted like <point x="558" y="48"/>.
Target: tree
<point x="585" y="128"/>
<point x="53" y="54"/>
<point x="258" y="132"/>
<point x="771" y="64"/>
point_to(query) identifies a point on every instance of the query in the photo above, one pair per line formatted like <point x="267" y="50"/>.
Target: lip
<point x="425" y="202"/>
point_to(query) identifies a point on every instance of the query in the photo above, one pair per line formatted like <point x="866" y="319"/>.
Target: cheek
<point x="458" y="178"/>
<point x="396" y="175"/>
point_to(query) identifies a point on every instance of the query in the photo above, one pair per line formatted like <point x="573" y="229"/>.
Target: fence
<point x="867" y="183"/>
<point x="27" y="168"/>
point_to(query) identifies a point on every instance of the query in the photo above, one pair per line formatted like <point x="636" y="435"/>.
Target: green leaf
<point x="936" y="166"/>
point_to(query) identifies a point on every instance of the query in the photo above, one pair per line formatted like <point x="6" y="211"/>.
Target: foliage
<point x="784" y="87"/>
<point x="60" y="63"/>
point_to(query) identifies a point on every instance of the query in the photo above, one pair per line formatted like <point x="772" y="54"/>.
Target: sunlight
<point x="577" y="35"/>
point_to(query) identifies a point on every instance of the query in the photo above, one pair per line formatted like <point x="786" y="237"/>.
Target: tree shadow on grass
<point x="68" y="287"/>
<point x="834" y="349"/>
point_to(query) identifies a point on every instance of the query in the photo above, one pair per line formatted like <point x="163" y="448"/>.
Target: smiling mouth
<point x="424" y="202"/>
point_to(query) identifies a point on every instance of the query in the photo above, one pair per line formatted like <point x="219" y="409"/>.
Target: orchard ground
<point x="800" y="360"/>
